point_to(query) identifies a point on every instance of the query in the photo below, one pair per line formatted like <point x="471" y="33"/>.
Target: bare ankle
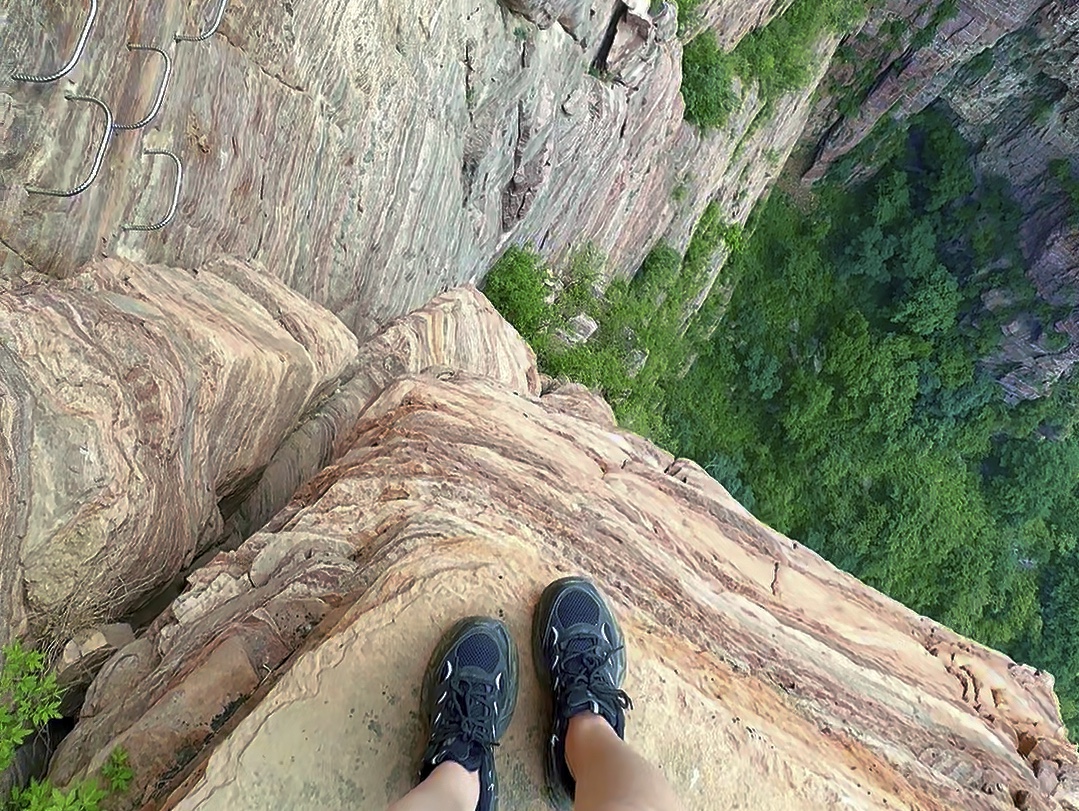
<point x="587" y="723"/>
<point x="459" y="783"/>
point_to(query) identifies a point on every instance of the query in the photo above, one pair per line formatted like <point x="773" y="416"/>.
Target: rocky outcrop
<point x="367" y="157"/>
<point x="151" y="416"/>
<point x="397" y="161"/>
<point x="732" y="21"/>
<point x="1007" y="72"/>
<point x="459" y="329"/>
<point x="910" y="75"/>
<point x="289" y="670"/>
<point x="137" y="405"/>
<point x="524" y="144"/>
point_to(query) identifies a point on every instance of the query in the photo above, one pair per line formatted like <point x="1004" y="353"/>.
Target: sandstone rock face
<point x="368" y="155"/>
<point x="365" y="174"/>
<point x="136" y="403"/>
<point x="289" y="672"/>
<point x="459" y="329"/>
<point x="151" y="414"/>
<point x="908" y="78"/>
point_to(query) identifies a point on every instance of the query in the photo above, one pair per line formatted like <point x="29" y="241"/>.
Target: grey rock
<point x="578" y="329"/>
<point x="371" y="157"/>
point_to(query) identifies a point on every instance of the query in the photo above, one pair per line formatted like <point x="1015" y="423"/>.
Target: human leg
<point x="610" y="776"/>
<point x="449" y="787"/>
<point x="580" y="659"/>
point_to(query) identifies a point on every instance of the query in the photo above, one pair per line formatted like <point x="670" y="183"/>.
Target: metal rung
<point x="106" y="136"/>
<point x="175" y="195"/>
<point x="80" y="46"/>
<point x="155" y="108"/>
<point x="209" y="32"/>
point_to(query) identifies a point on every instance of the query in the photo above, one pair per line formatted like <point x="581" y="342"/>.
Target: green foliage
<point x="1042" y="111"/>
<point x="515" y="285"/>
<point x="1061" y="170"/>
<point x="707" y="76"/>
<point x="86" y="795"/>
<point x="688" y="15"/>
<point x="43" y="796"/>
<point x="780" y="57"/>
<point x="947" y="10"/>
<point x="643" y="317"/>
<point x="117" y="771"/>
<point x="892" y="31"/>
<point x="849" y="359"/>
<point x="979" y="66"/>
<point x="680" y="192"/>
<point x="29" y="698"/>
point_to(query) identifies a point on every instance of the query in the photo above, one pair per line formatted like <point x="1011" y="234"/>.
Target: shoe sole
<point x="557" y="794"/>
<point x="427" y="692"/>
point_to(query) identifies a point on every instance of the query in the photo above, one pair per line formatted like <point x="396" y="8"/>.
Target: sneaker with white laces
<point x="580" y="659"/>
<point x="469" y="695"/>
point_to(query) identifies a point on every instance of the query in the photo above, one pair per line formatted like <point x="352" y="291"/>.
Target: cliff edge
<point x="288" y="671"/>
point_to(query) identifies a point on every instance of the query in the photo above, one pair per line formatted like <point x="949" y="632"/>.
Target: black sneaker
<point x="581" y="659"/>
<point x="469" y="695"/>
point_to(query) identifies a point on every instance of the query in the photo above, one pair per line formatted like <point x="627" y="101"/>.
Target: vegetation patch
<point x="638" y="349"/>
<point x="780" y="57"/>
<point x="947" y="10"/>
<point x="29" y="699"/>
<point x="1062" y="172"/>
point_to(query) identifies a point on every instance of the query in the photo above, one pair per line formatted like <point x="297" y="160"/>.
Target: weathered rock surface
<point x="528" y="100"/>
<point x="459" y="329"/>
<point x="152" y="414"/>
<point x="82" y="658"/>
<point x="288" y="673"/>
<point x="368" y="155"/>
<point x="136" y="404"/>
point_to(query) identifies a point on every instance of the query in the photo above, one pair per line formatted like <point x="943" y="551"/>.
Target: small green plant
<point x="1041" y="111"/>
<point x="86" y="795"/>
<point x="947" y="10"/>
<point x="43" y="796"/>
<point x="29" y="698"/>
<point x="892" y="32"/>
<point x="780" y="57"/>
<point x="979" y="66"/>
<point x="688" y="15"/>
<point x="521" y="33"/>
<point x="515" y="286"/>
<point x="117" y="771"/>
<point x="680" y="192"/>
<point x="1062" y="172"/>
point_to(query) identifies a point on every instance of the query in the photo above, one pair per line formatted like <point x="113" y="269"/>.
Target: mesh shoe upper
<point x="470" y="693"/>
<point x="580" y="656"/>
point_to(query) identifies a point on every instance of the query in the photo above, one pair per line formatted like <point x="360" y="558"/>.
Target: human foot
<point x="469" y="695"/>
<point x="580" y="659"/>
